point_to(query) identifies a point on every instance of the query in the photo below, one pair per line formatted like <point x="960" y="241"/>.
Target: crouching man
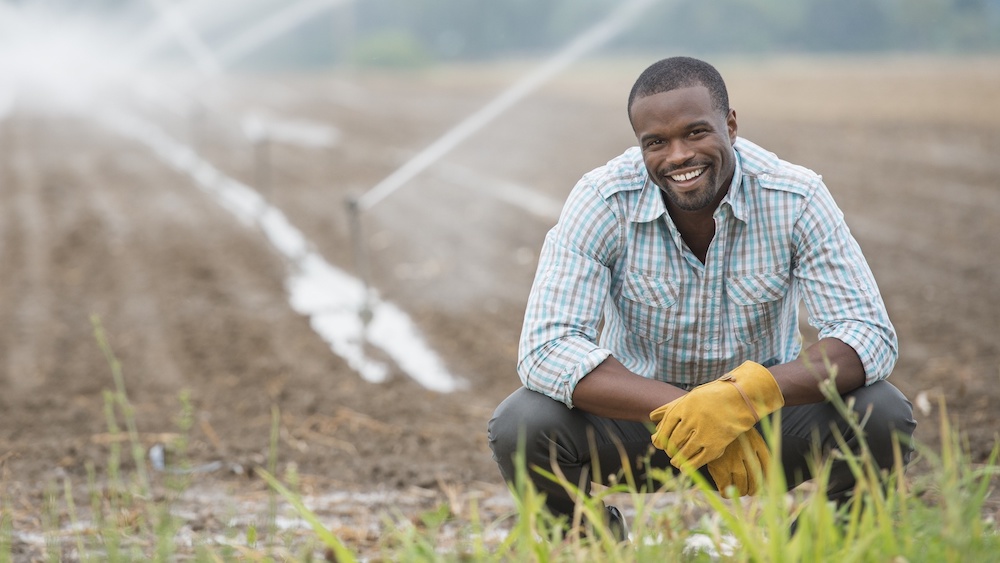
<point x="667" y="297"/>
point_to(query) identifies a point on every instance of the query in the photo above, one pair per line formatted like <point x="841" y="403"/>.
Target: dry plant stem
<point x="74" y="521"/>
<point x="121" y="400"/>
<point x="272" y="467"/>
<point x="6" y="530"/>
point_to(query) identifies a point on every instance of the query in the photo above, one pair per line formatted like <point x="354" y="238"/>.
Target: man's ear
<point x="731" y="125"/>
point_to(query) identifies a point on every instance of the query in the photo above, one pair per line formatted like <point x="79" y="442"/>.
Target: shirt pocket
<point x="755" y="303"/>
<point x="648" y="306"/>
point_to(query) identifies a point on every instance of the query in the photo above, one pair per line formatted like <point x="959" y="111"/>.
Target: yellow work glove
<point x="697" y="427"/>
<point x="741" y="464"/>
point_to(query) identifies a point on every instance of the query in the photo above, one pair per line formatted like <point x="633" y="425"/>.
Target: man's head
<point x="681" y="117"/>
<point x="680" y="72"/>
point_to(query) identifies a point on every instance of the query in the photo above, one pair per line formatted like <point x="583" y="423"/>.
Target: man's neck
<point x="697" y="228"/>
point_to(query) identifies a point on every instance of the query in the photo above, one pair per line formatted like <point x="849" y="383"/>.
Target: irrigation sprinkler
<point x="591" y="39"/>
<point x="361" y="258"/>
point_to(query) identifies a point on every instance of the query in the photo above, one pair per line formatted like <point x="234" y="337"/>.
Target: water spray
<point x="188" y="38"/>
<point x="277" y="24"/>
<point x="591" y="39"/>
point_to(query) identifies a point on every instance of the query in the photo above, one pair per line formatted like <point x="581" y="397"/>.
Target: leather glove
<point x="697" y="427"/>
<point x="741" y="464"/>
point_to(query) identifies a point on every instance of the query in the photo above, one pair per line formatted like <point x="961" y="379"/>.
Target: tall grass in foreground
<point x="938" y="514"/>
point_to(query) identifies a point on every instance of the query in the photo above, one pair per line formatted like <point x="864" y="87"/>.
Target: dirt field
<point x="94" y="224"/>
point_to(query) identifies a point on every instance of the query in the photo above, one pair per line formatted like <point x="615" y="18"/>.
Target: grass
<point x="940" y="513"/>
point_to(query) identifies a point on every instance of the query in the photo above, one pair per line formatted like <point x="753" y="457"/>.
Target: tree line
<point x="415" y="30"/>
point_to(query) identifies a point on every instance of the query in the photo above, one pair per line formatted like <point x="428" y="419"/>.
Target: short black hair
<point x="680" y="72"/>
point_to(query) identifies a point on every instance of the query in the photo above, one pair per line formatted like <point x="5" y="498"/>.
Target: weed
<point x="937" y="515"/>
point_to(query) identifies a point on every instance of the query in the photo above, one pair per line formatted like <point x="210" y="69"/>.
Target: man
<point x="668" y="294"/>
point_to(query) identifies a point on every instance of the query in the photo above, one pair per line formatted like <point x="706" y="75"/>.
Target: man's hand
<point x="741" y="464"/>
<point x="696" y="428"/>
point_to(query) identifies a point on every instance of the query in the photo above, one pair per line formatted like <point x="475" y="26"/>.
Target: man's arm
<point x="842" y="298"/>
<point x="611" y="390"/>
<point x="559" y="345"/>
<point x="800" y="380"/>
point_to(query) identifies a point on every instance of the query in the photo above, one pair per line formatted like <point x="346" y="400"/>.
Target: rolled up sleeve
<point x="559" y="337"/>
<point x="840" y="291"/>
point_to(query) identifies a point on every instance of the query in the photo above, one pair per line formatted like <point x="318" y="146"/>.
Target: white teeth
<point x="688" y="176"/>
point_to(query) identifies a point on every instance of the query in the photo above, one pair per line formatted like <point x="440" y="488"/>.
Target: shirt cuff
<point x="878" y="356"/>
<point x="593" y="359"/>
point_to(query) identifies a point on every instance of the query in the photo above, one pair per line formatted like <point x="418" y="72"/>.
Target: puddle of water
<point x="330" y="297"/>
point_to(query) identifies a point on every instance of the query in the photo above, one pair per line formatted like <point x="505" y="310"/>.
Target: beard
<point x="698" y="199"/>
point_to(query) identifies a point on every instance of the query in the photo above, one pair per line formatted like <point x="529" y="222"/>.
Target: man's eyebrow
<point x="704" y="123"/>
<point x="699" y="124"/>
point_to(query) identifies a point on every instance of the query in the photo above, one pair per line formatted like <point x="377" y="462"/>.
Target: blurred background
<point x="332" y="209"/>
<point x="407" y="33"/>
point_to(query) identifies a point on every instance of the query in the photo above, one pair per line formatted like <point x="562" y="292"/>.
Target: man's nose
<point x="679" y="152"/>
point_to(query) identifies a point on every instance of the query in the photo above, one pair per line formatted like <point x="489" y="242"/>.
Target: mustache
<point x="689" y="164"/>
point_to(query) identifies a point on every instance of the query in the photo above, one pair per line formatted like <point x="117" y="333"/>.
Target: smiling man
<point x="662" y="325"/>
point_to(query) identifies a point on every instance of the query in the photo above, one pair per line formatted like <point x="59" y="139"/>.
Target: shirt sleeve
<point x="840" y="291"/>
<point x="559" y="337"/>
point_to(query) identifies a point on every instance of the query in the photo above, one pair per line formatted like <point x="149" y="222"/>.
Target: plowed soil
<point x="94" y="226"/>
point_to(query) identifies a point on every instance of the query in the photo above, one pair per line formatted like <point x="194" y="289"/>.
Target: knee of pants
<point x="890" y="415"/>
<point x="525" y="420"/>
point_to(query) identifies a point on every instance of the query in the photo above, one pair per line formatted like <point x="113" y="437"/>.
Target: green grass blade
<point x="343" y="555"/>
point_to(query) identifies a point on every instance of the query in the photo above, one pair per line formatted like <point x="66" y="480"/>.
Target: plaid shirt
<point x="615" y="257"/>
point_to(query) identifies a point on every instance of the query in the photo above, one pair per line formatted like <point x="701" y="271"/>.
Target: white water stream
<point x="76" y="65"/>
<point x="327" y="295"/>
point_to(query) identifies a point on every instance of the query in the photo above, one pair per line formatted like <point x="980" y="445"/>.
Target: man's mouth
<point x="687" y="175"/>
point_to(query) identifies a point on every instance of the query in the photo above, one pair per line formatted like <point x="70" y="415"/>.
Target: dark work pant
<point x="579" y="442"/>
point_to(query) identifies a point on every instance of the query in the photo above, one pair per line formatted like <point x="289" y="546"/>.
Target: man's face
<point x="687" y="145"/>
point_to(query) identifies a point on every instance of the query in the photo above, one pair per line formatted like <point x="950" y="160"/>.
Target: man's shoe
<point x="616" y="524"/>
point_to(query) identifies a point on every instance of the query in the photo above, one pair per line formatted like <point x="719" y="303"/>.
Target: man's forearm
<point x="612" y="391"/>
<point x="800" y="380"/>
